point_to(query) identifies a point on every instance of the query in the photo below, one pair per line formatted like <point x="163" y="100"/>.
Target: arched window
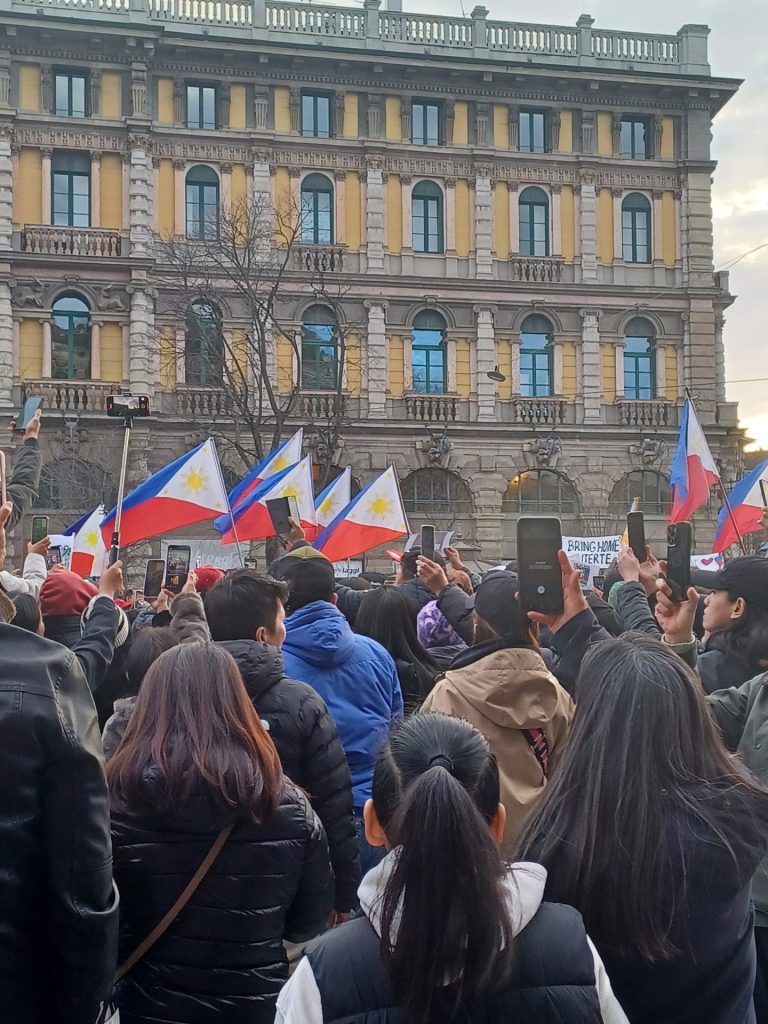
<point x="636" y="229"/>
<point x="71" y="339"/>
<point x="534" y="222"/>
<point x="319" y="350"/>
<point x="540" y="490"/>
<point x="428" y="354"/>
<point x="75" y="487"/>
<point x="435" y="492"/>
<point x="639" y="359"/>
<point x="650" y="486"/>
<point x="427" y="209"/>
<point x="202" y="203"/>
<point x="203" y="347"/>
<point x="536" y="371"/>
<point x="317" y="210"/>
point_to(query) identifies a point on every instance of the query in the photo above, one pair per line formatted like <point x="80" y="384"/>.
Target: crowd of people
<point x="284" y="797"/>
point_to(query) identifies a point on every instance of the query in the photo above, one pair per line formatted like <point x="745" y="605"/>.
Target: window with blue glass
<point x="428" y="354"/>
<point x="70" y="94"/>
<point x="636" y="229"/>
<point x="534" y="222"/>
<point x="202" y="198"/>
<point x="634" y="139"/>
<point x="639" y="360"/>
<point x="425" y="124"/>
<point x="531" y="134"/>
<point x="201" y="107"/>
<point x="536" y="357"/>
<point x="204" y="346"/>
<point x="71" y="190"/>
<point x="71" y="339"/>
<point x="319" y="350"/>
<point x="316" y="115"/>
<point x="427" y="224"/>
<point x="317" y="210"/>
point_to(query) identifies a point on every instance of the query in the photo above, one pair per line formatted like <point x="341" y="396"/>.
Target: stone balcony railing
<point x="646" y="412"/>
<point x="69" y="396"/>
<point x="320" y="405"/>
<point x="537" y="269"/>
<point x="403" y="33"/>
<point x="204" y="403"/>
<point x="60" y="241"/>
<point x="432" y="408"/>
<point x="539" y="411"/>
<point x="319" y="259"/>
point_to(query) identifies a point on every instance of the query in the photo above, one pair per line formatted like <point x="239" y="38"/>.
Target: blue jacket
<point x="356" y="678"/>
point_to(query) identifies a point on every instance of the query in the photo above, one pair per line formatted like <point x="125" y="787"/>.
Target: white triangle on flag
<point x="198" y="481"/>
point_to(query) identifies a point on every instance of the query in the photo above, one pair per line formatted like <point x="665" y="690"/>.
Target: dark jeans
<point x="370" y="856"/>
<point x="761" y="979"/>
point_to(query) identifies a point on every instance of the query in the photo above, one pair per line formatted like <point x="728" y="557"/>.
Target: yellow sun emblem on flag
<point x="293" y="492"/>
<point x="92" y="539"/>
<point x="379" y="505"/>
<point x="280" y="463"/>
<point x="328" y="505"/>
<point x="195" y="480"/>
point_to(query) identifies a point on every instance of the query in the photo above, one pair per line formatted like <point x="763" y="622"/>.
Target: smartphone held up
<point x="539" y="540"/>
<point x="679" y="545"/>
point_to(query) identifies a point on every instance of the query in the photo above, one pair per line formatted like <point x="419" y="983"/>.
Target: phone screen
<point x="153" y="578"/>
<point x="280" y="511"/>
<point x="541" y="579"/>
<point x="428" y="542"/>
<point x="764" y="492"/>
<point x="28" y="410"/>
<point x="636" y="534"/>
<point x="53" y="557"/>
<point x="179" y="559"/>
<point x="39" y="528"/>
<point x="679" y="540"/>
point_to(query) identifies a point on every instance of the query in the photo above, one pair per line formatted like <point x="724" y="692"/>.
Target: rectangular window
<point x="427" y="225"/>
<point x="634" y="139"/>
<point x="425" y="124"/>
<point x="202" y="210"/>
<point x="316" y="115"/>
<point x="639" y="377"/>
<point x="635" y="236"/>
<point x="71" y="206"/>
<point x="535" y="374"/>
<point x="202" y="107"/>
<point x="70" y="92"/>
<point x="532" y="136"/>
<point x="533" y="230"/>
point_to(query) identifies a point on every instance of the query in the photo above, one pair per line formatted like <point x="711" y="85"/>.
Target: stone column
<point x="450" y="216"/>
<point x="179" y="205"/>
<point x="486" y="361"/>
<point x="619" y="357"/>
<point x="5" y="78"/>
<point x="483" y="225"/>
<point x="661" y="370"/>
<point x="618" y="240"/>
<point x="262" y="195"/>
<point x="140" y="224"/>
<point x="260" y="109"/>
<point x="95" y="189"/>
<point x="95" y="350"/>
<point x="179" y="361"/>
<point x="376" y="350"/>
<point x="16" y="347"/>
<point x="6" y="189"/>
<point x="658" y="228"/>
<point x="126" y="330"/>
<point x="557" y="368"/>
<point x="375" y="217"/>
<point x="514" y="218"/>
<point x="719" y="358"/>
<point x="179" y="102"/>
<point x="225" y="171"/>
<point x="557" y="225"/>
<point x="46" y="354"/>
<point x="687" y="381"/>
<point x="588" y="231"/>
<point x="591" y="364"/>
<point x="47" y="184"/>
<point x="143" y="344"/>
<point x="125" y="169"/>
<point x="7" y="346"/>
<point x="295" y="211"/>
<point x="340" y="196"/>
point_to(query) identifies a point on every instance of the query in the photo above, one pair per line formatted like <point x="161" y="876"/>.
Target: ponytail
<point x="446" y="930"/>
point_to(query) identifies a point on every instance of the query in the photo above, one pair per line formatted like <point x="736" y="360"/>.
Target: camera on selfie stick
<point x="127" y="407"/>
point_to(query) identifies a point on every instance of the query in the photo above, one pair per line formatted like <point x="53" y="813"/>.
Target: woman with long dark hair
<point x="195" y="758"/>
<point x="449" y="932"/>
<point x="386" y="615"/>
<point x="653" y="834"/>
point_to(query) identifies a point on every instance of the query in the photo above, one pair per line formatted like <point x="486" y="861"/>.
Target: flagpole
<point x="229" y="507"/>
<point x="721" y="488"/>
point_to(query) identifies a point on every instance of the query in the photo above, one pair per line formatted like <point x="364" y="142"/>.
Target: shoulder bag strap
<point x="162" y="926"/>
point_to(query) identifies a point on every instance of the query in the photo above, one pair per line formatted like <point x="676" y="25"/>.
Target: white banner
<point x="710" y="563"/>
<point x="591" y="554"/>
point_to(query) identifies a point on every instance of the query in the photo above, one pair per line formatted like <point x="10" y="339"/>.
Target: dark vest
<point x="555" y="975"/>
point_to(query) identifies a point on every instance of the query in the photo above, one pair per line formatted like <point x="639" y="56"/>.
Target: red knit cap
<point x="206" y="576"/>
<point x="65" y="593"/>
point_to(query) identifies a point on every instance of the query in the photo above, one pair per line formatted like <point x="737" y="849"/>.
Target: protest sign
<point x="591" y="554"/>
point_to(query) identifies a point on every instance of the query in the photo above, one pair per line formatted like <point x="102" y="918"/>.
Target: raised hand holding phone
<point x="573" y="600"/>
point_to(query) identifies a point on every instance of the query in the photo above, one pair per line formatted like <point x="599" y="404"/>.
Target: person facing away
<point x="449" y="932"/>
<point x="194" y="759"/>
<point x="58" y="928"/>
<point x="503" y="687"/>
<point x="654" y="834"/>
<point x="353" y="674"/>
<point x="246" y="616"/>
<point x="386" y="616"/>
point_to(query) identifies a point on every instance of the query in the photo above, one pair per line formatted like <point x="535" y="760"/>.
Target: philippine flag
<point x="693" y="468"/>
<point x="336" y="496"/>
<point x="251" y="517"/>
<point x="375" y="516"/>
<point x="286" y="454"/>
<point x="88" y="547"/>
<point x="748" y="501"/>
<point x="188" y="491"/>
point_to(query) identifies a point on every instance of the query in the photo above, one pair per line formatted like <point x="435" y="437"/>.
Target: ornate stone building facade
<point x="518" y="217"/>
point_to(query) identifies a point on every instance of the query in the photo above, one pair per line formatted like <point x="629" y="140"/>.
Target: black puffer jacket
<point x="222" y="959"/>
<point x="310" y="752"/>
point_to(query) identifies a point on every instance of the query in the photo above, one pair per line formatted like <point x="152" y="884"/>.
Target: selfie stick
<point x="114" y="551"/>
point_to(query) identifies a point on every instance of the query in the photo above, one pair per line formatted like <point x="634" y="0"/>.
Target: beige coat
<point x="503" y="694"/>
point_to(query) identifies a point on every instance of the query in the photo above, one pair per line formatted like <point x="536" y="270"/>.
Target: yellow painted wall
<point x="29" y="87"/>
<point x="354" y="364"/>
<point x="238" y="186"/>
<point x="394" y="128"/>
<point x="396" y="367"/>
<point x="111" y="337"/>
<point x="282" y="204"/>
<point x="351" y="126"/>
<point x="284" y="365"/>
<point x="504" y="356"/>
<point x="168" y="356"/>
<point x="237" y="106"/>
<point x="282" y="109"/>
<point x="604" y="138"/>
<point x="462" y="218"/>
<point x="463" y="368"/>
<point x="165" y="100"/>
<point x="28" y="192"/>
<point x="605" y="226"/>
<point x="111" y="191"/>
<point x="569" y="370"/>
<point x="608" y="365"/>
<point x="501" y="220"/>
<point x="30" y="349"/>
<point x="353" y="207"/>
<point x="671" y="368"/>
<point x="566" y="131"/>
<point x="500" y="126"/>
<point x="165" y="200"/>
<point x="111" y="94"/>
<point x="568" y="223"/>
<point x="394" y="241"/>
<point x="667" y="138"/>
<point x="239" y="358"/>
<point x="460" y="124"/>
<point x="668" y="229"/>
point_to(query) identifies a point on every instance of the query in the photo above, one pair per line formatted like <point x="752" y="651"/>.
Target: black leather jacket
<point x="58" y="926"/>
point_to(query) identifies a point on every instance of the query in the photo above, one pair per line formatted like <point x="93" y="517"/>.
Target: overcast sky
<point x="738" y="48"/>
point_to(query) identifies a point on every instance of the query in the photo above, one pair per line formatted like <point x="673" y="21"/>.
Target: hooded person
<point x="503" y="687"/>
